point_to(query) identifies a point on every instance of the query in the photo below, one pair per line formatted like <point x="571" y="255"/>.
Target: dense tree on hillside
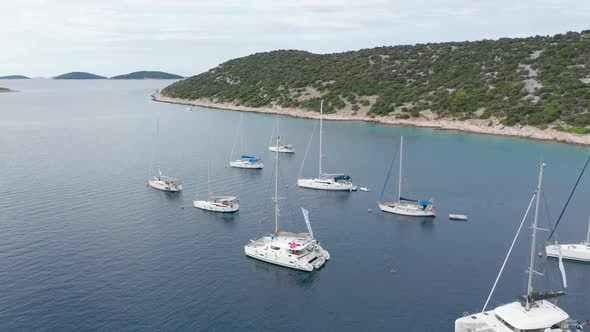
<point x="535" y="80"/>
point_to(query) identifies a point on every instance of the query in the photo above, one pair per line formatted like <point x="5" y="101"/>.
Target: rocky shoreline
<point x="426" y="120"/>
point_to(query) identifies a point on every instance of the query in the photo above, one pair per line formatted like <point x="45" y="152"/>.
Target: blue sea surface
<point x="85" y="245"/>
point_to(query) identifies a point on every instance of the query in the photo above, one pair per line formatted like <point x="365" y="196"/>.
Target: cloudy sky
<point x="109" y="37"/>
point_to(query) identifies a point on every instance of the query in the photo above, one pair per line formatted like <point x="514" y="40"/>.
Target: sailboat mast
<point x="401" y="156"/>
<point x="157" y="148"/>
<point x="241" y="134"/>
<point x="588" y="236"/>
<point x="534" y="240"/>
<point x="321" y="116"/>
<point x="277" y="180"/>
<point x="209" y="173"/>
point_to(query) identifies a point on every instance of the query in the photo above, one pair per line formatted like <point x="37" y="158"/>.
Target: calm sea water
<point x="84" y="245"/>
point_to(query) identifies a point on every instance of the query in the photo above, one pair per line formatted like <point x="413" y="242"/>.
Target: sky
<point x="186" y="37"/>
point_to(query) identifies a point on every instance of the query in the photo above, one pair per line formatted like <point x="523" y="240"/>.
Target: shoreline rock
<point x="476" y="126"/>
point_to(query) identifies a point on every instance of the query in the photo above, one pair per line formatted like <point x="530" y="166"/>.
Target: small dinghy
<point x="457" y="217"/>
<point x="365" y="189"/>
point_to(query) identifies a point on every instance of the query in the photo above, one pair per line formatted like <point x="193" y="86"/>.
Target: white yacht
<point x="226" y="204"/>
<point x="337" y="182"/>
<point x="162" y="182"/>
<point x="533" y="311"/>
<point x="165" y="183"/>
<point x="575" y="251"/>
<point x="285" y="148"/>
<point x="300" y="251"/>
<point x="245" y="161"/>
<point x="405" y="206"/>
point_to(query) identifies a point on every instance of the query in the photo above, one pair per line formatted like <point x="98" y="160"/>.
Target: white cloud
<point x="187" y="36"/>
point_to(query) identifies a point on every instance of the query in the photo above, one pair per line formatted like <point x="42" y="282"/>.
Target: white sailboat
<point x="299" y="251"/>
<point x="225" y="204"/>
<point x="283" y="148"/>
<point x="245" y="161"/>
<point x="406" y="206"/>
<point x="161" y="182"/>
<point x="324" y="181"/>
<point x="532" y="312"/>
<point x="574" y="251"/>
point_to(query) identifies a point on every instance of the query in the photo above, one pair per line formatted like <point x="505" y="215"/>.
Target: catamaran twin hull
<point x="577" y="252"/>
<point x="246" y="164"/>
<point x="306" y="260"/>
<point x="164" y="186"/>
<point x="326" y="184"/>
<point x="216" y="207"/>
<point x="411" y="210"/>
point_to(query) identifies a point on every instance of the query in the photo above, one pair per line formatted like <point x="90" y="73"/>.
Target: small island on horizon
<point x="6" y="90"/>
<point x="142" y="75"/>
<point x="78" y="75"/>
<point x="14" y="77"/>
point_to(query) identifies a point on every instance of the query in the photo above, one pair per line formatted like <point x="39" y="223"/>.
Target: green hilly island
<point x="540" y="81"/>
<point x="14" y="77"/>
<point x="140" y="75"/>
<point x="77" y="75"/>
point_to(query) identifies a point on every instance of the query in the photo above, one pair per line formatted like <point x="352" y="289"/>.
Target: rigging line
<point x="509" y="252"/>
<point x="568" y="199"/>
<point x="393" y="158"/>
<point x="307" y="150"/>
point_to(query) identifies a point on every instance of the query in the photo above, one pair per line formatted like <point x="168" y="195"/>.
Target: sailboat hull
<point x="282" y="149"/>
<point x="410" y="210"/>
<point x="160" y="185"/>
<point x="576" y="252"/>
<point x="321" y="184"/>
<point x="245" y="164"/>
<point x="213" y="207"/>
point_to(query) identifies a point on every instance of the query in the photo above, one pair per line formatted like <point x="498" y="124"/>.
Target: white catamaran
<point x="574" y="251"/>
<point x="406" y="206"/>
<point x="532" y="312"/>
<point x="300" y="251"/>
<point x="245" y="161"/>
<point x="162" y="182"/>
<point x="226" y="204"/>
<point x="339" y="182"/>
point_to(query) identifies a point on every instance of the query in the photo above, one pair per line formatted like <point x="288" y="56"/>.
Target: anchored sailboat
<point x="300" y="251"/>
<point x="226" y="204"/>
<point x="405" y="206"/>
<point x="574" y="251"/>
<point x="532" y="312"/>
<point x="283" y="148"/>
<point x="245" y="161"/>
<point x="160" y="181"/>
<point x="324" y="181"/>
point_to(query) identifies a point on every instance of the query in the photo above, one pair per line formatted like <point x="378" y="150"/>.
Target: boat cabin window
<point x="274" y="248"/>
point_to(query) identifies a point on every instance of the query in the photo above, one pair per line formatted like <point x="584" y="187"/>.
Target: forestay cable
<point x="509" y="251"/>
<point x="568" y="199"/>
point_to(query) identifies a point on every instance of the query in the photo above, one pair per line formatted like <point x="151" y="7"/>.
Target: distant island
<point x="536" y="87"/>
<point x="76" y="75"/>
<point x="14" y="77"/>
<point x="6" y="90"/>
<point x="141" y="75"/>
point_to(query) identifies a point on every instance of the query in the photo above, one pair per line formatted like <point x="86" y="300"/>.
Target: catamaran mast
<point x="321" y="116"/>
<point x="277" y="180"/>
<point x="401" y="155"/>
<point x="534" y="240"/>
